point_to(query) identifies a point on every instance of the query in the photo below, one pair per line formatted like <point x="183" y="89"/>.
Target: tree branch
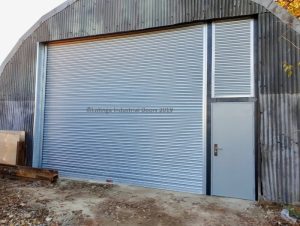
<point x="281" y="13"/>
<point x="289" y="41"/>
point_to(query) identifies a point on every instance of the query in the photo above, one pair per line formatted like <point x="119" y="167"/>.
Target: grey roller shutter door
<point x="153" y="70"/>
<point x="233" y="59"/>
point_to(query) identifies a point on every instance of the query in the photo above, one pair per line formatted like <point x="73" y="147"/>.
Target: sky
<point x="17" y="17"/>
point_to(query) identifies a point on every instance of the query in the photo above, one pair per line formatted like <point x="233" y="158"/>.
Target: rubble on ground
<point x="72" y="203"/>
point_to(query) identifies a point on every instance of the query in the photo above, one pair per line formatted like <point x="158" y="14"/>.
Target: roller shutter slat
<point x="152" y="70"/>
<point x="233" y="59"/>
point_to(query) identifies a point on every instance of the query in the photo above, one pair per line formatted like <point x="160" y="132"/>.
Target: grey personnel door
<point x="233" y="158"/>
<point x="233" y="172"/>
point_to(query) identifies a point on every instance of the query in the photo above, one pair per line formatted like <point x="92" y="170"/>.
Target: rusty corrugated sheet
<point x="278" y="94"/>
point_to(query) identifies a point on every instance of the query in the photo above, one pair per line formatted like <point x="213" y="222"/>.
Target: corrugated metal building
<point x="187" y="95"/>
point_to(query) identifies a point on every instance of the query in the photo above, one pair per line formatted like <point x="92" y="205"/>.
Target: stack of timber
<point x="12" y="147"/>
<point x="11" y="171"/>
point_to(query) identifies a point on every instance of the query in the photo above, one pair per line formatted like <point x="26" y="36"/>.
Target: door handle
<point x="216" y="149"/>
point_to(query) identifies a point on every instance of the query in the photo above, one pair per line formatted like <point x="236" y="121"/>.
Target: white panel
<point x="154" y="70"/>
<point x="233" y="73"/>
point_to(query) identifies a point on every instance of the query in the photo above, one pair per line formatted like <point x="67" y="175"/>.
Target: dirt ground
<point x="81" y="203"/>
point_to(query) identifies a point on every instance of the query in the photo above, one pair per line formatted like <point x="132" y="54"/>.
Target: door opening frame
<point x="40" y="87"/>
<point x="41" y="78"/>
<point x="207" y="96"/>
<point x="210" y="99"/>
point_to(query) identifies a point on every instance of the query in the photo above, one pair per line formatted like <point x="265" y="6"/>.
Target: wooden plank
<point x="21" y="154"/>
<point x="21" y="134"/>
<point x="8" y="148"/>
<point x="28" y="172"/>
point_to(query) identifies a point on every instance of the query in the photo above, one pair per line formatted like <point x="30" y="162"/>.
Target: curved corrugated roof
<point x="33" y="28"/>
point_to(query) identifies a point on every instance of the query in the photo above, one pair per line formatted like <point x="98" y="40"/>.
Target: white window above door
<point x="233" y="59"/>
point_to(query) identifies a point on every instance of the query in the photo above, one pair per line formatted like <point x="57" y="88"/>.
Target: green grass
<point x="294" y="211"/>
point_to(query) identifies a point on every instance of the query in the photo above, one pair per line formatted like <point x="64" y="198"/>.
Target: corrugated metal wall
<point x="96" y="17"/>
<point x="279" y="98"/>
